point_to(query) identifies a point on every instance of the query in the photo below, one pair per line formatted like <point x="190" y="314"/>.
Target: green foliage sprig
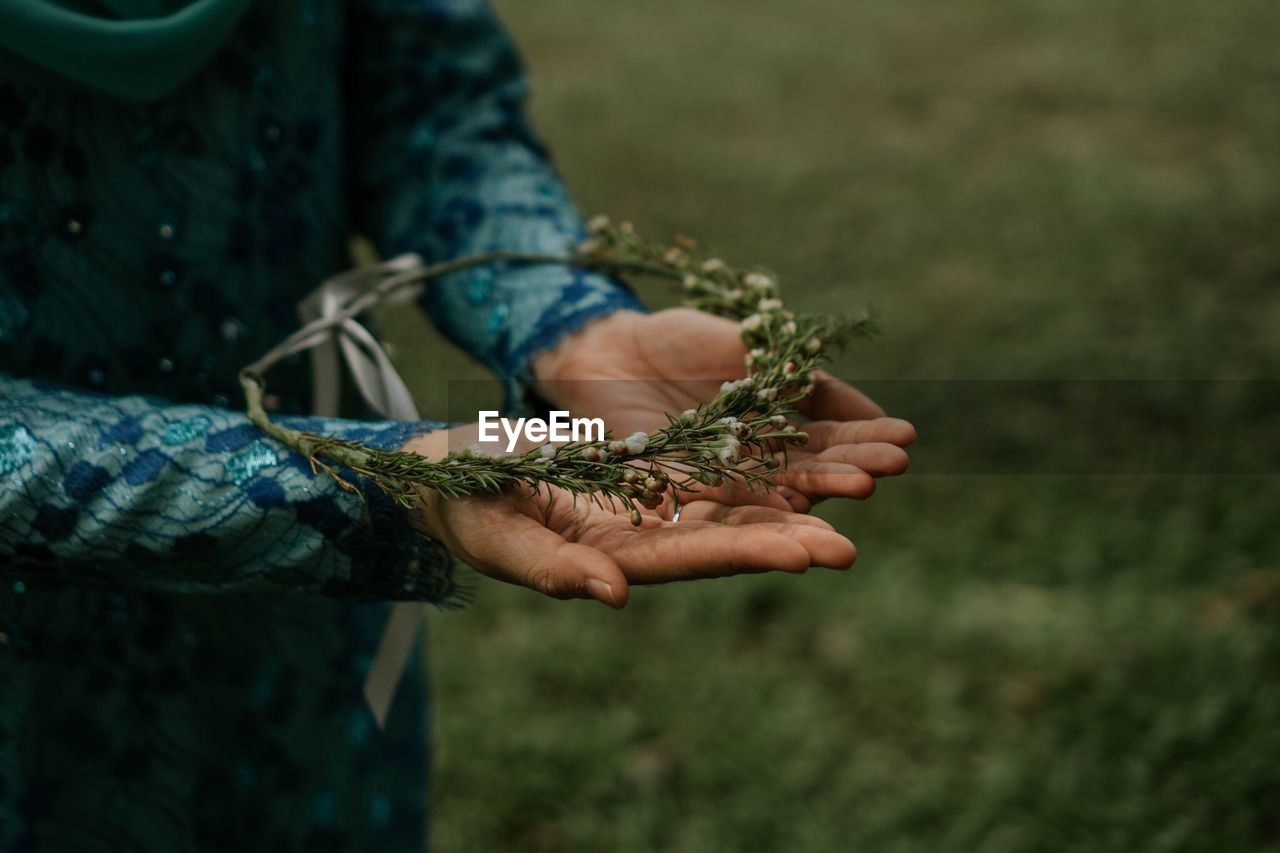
<point x="734" y="437"/>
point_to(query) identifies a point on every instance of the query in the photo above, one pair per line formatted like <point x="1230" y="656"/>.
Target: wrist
<point x="427" y="518"/>
<point x="563" y="361"/>
<point x="427" y="515"/>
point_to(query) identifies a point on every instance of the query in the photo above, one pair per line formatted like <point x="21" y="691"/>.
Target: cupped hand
<point x="566" y="548"/>
<point x="575" y="549"/>
<point x="630" y="369"/>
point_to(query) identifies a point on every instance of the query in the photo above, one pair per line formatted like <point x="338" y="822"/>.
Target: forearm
<point x="136" y="493"/>
<point x="452" y="167"/>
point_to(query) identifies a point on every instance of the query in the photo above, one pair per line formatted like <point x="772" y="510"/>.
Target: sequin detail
<point x="16" y="447"/>
<point x="180" y="432"/>
<point x="245" y="465"/>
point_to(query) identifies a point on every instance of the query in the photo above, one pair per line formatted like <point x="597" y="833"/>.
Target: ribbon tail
<point x="383" y="389"/>
<point x="389" y="661"/>
<point x="376" y="377"/>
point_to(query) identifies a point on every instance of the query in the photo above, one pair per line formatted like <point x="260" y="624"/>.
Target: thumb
<point x="528" y="554"/>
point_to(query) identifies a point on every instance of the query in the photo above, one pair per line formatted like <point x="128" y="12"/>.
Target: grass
<point x="1028" y="190"/>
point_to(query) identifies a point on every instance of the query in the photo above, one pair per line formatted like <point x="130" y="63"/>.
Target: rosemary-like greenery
<point x="733" y="437"/>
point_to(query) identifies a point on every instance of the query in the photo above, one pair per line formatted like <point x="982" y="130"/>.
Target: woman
<point x="186" y="612"/>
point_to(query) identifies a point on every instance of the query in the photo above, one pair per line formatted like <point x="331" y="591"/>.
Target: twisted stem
<point x="731" y="437"/>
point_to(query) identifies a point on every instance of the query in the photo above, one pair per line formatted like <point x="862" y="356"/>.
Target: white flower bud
<point x="726" y="387"/>
<point x="747" y="382"/>
<point x="730" y="452"/>
<point x="767" y="394"/>
<point x="778" y="420"/>
<point x="617" y="448"/>
<point x="734" y="295"/>
<point x="712" y="265"/>
<point x="691" y="281"/>
<point x="673" y="256"/>
<point x="689" y="415"/>
<point x="547" y="451"/>
<point x="770" y="304"/>
<point x="789" y="327"/>
<point x="591" y="453"/>
<point x="636" y="442"/>
<point x="813" y="346"/>
<point x="752" y="323"/>
<point x="626" y="228"/>
<point x="589" y="247"/>
<point x="598" y="223"/>
<point x="758" y="281"/>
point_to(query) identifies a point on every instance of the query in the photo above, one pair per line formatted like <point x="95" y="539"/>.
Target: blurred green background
<point x="1026" y="189"/>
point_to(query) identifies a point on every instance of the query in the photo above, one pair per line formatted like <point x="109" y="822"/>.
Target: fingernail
<point x="601" y="592"/>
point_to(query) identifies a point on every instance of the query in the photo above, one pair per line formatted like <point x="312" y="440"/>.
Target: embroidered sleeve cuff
<point x="390" y="558"/>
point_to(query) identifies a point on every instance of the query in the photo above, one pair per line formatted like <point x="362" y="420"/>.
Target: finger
<point x="825" y="547"/>
<point x="691" y="550"/>
<point x="780" y="497"/>
<point x="828" y="480"/>
<point x="828" y="433"/>
<point x="879" y="459"/>
<point x="838" y="400"/>
<point x="528" y="554"/>
<point x="721" y="514"/>
<point x="799" y="502"/>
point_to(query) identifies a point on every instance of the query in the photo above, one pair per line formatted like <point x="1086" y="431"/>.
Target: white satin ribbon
<point x="375" y="376"/>
<point x="382" y="388"/>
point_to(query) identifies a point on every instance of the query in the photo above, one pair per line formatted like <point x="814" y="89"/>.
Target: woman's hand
<point x="630" y="369"/>
<point x="567" y="549"/>
<point x="564" y="548"/>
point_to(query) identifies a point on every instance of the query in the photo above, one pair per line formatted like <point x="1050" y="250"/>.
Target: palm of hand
<point x="567" y="548"/>
<point x="631" y="370"/>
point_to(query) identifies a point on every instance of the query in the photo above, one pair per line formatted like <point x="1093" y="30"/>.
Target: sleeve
<point x="446" y="164"/>
<point x="131" y="492"/>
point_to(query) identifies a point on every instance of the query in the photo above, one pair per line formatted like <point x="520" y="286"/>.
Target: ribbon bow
<point x="337" y="335"/>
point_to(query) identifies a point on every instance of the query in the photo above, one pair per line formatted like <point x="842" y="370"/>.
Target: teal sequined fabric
<point x="186" y="612"/>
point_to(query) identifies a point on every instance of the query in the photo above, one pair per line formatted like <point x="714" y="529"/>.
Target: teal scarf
<point x="137" y="50"/>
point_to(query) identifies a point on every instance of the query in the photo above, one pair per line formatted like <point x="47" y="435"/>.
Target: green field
<point x="1027" y="189"/>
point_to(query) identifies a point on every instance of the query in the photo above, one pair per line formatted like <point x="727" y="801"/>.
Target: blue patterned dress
<point x="185" y="611"/>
